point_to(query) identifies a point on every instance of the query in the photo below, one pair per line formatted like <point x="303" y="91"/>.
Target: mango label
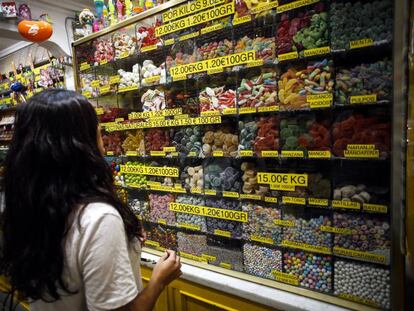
<point x="300" y="180"/>
<point x="270" y="153"/>
<point x="286" y="277"/>
<point x="319" y="154"/>
<point x="360" y="255"/>
<point x="208" y="211"/>
<point x="356" y="44"/>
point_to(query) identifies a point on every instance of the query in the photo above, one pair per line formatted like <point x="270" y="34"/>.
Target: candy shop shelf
<point x="270" y="283"/>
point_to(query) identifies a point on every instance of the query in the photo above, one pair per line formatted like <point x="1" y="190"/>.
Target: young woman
<point x="68" y="242"/>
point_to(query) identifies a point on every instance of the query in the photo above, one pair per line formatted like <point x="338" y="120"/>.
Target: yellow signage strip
<point x="196" y="19"/>
<point x="150" y="170"/>
<point x="209" y="212"/>
<point x="165" y="123"/>
<point x="214" y="63"/>
<point x="371" y="257"/>
<point x="300" y="180"/>
<point x="189" y="8"/>
<point x="151" y="114"/>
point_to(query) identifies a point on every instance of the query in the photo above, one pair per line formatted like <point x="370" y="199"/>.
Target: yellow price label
<point x="196" y="19"/>
<point x="363" y="99"/>
<point x="362" y="43"/>
<point x="246" y="153"/>
<point x="208" y="211"/>
<point x="317" y="51"/>
<point x="189" y="8"/>
<point x="300" y="180"/>
<point x="371" y="257"/>
<point x="287" y="56"/>
<point x="262" y="239"/>
<point x="242" y="20"/>
<point x="293" y="200"/>
<point x="307" y="247"/>
<point x="286" y="277"/>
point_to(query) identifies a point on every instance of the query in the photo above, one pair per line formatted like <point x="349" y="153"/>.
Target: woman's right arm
<point x="165" y="271"/>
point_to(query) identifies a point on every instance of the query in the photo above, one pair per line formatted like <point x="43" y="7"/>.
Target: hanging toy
<point x="105" y="16"/>
<point x="112" y="18"/>
<point x="24" y="12"/>
<point x="128" y="8"/>
<point x="86" y="19"/>
<point x="99" y="8"/>
<point x="35" y="31"/>
<point x="119" y="8"/>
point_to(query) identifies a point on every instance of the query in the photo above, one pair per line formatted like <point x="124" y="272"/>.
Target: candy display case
<point x="261" y="139"/>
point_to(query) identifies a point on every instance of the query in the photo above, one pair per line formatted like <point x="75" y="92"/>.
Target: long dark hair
<point x="53" y="167"/>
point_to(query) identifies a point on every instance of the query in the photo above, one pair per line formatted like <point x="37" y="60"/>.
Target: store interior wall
<point x="61" y="13"/>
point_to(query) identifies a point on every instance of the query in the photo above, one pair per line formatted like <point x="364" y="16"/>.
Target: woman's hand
<point x="167" y="269"/>
<point x="142" y="237"/>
